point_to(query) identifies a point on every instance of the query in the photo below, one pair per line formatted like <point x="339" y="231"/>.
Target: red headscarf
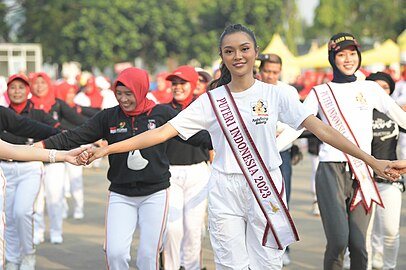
<point x="162" y="95"/>
<point x="137" y="81"/>
<point x="19" y="107"/>
<point x="96" y="99"/>
<point x="189" y="74"/>
<point x="62" y="90"/>
<point x="43" y="103"/>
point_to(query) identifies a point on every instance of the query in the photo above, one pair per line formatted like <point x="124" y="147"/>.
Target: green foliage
<point x="262" y="16"/>
<point x="103" y="32"/>
<point x="4" y="28"/>
<point x="100" y="33"/>
<point x="367" y="20"/>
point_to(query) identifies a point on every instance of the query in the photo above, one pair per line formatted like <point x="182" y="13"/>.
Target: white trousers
<point x="236" y="224"/>
<point x="402" y="145"/>
<point x="187" y="208"/>
<point x="23" y="183"/>
<point x="315" y="163"/>
<point x="54" y="194"/>
<point x="123" y="215"/>
<point x="74" y="175"/>
<point x="385" y="234"/>
<point x="2" y="217"/>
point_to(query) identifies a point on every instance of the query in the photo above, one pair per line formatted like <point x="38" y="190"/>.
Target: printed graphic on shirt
<point x="151" y="124"/>
<point x="136" y="161"/>
<point x="259" y="112"/>
<point x="384" y="129"/>
<point x="360" y="99"/>
<point x="120" y="129"/>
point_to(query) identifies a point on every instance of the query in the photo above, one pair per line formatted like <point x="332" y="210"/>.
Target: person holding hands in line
<point x="249" y="223"/>
<point x="139" y="179"/>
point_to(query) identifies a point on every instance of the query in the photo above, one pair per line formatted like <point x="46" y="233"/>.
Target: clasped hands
<point x="90" y="154"/>
<point x="393" y="170"/>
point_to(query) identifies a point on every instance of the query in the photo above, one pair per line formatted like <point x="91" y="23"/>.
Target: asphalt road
<point x="82" y="248"/>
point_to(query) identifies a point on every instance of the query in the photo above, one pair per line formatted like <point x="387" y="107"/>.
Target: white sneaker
<point x="315" y="210"/>
<point x="11" y="266"/>
<point x="78" y="214"/>
<point x="285" y="259"/>
<point x="56" y="239"/>
<point x="38" y="239"/>
<point x="377" y="261"/>
<point x="28" y="262"/>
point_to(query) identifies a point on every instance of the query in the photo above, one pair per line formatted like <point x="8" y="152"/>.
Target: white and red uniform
<point x="400" y="97"/>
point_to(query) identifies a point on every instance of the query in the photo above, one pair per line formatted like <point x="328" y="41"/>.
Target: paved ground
<point x="83" y="240"/>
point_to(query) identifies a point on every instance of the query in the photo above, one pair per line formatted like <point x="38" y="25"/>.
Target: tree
<point x="99" y="33"/>
<point x="4" y="29"/>
<point x="262" y="16"/>
<point x="373" y="20"/>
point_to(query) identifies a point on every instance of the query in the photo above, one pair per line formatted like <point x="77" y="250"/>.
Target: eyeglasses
<point x="202" y="80"/>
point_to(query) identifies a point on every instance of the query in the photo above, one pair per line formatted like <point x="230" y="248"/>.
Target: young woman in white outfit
<point x="236" y="221"/>
<point x="27" y="153"/>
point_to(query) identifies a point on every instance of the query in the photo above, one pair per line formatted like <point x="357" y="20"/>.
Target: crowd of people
<point x="201" y="143"/>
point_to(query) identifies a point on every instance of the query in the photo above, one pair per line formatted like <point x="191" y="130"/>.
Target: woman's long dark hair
<point x="225" y="76"/>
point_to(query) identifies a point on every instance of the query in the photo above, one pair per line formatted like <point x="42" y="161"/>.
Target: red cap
<point x="186" y="73"/>
<point x="18" y="76"/>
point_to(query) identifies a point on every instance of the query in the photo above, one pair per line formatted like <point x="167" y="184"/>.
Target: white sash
<point x="253" y="168"/>
<point x="366" y="192"/>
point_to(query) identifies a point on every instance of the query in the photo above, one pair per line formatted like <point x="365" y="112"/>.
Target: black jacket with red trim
<point x="191" y="154"/>
<point x="23" y="126"/>
<point x="114" y="126"/>
<point x="67" y="116"/>
<point x="30" y="112"/>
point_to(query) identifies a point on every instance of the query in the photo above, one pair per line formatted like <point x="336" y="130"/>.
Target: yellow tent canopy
<point x="401" y="40"/>
<point x="318" y="58"/>
<point x="289" y="68"/>
<point x="388" y="53"/>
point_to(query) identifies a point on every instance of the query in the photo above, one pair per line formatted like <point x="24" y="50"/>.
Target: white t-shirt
<point x="286" y="133"/>
<point x="277" y="105"/>
<point x="356" y="101"/>
<point x="82" y="99"/>
<point x="400" y="92"/>
<point x="109" y="99"/>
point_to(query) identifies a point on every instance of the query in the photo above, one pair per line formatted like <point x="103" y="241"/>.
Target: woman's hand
<point x="384" y="169"/>
<point x="77" y="156"/>
<point x="95" y="153"/>
<point x="396" y="167"/>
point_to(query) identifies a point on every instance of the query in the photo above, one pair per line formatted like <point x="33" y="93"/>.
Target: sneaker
<point x="377" y="261"/>
<point x="315" y="210"/>
<point x="347" y="260"/>
<point x="78" y="214"/>
<point x="11" y="266"/>
<point x="56" y="239"/>
<point x="38" y="239"/>
<point x="285" y="259"/>
<point x="28" y="262"/>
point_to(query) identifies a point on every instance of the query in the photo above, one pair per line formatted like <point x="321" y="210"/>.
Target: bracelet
<point x="52" y="155"/>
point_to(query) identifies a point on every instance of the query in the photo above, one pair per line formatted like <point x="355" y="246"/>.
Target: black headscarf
<point x="337" y="43"/>
<point x="383" y="77"/>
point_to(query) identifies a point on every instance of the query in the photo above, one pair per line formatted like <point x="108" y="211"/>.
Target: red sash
<point x="254" y="170"/>
<point x="366" y="192"/>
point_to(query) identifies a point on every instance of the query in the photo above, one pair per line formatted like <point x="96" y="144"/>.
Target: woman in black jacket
<point x="139" y="179"/>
